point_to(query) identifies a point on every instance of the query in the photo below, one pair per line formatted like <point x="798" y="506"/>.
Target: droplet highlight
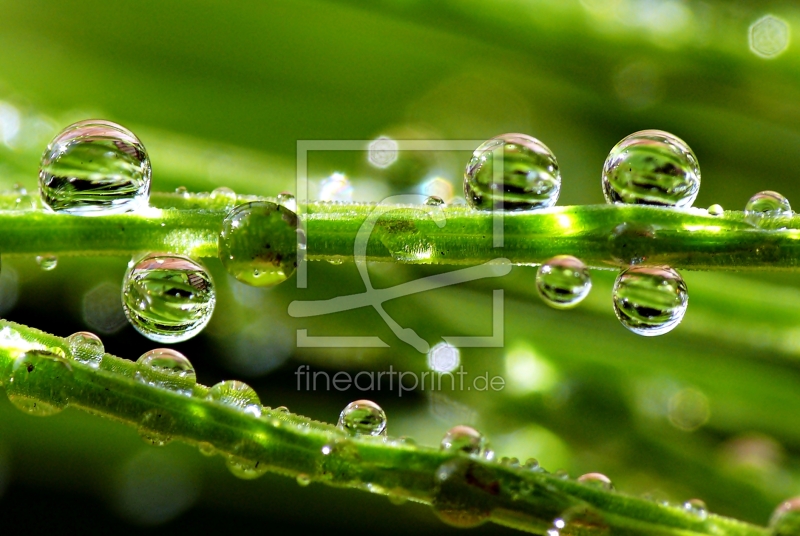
<point x="363" y="417"/>
<point x="93" y="168"/>
<point x="168" y="369"/>
<point x="530" y="177"/>
<point x="168" y="298"/>
<point x="651" y="167"/>
<point x="650" y="300"/>
<point x="563" y="281"/>
<point x="47" y="262"/>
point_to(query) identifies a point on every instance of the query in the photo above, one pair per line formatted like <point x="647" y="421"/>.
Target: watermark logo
<point x="375" y="298"/>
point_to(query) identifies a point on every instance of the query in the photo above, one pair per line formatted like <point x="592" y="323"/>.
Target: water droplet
<point x="530" y="179"/>
<point x="651" y="167"/>
<point x="168" y="298"/>
<point x="460" y="497"/>
<point x="25" y="202"/>
<point x="632" y="243"/>
<point x="47" y="262"/>
<point x="287" y="200"/>
<point x="154" y="427"/>
<point x="363" y="417"/>
<point x="716" y="210"/>
<point x="434" y="201"/>
<point x="86" y="348"/>
<point x="95" y="167"/>
<point x="32" y="373"/>
<point x="206" y="448"/>
<point x="303" y="479"/>
<point x="785" y="521"/>
<point x="598" y="480"/>
<point x="650" y="300"/>
<point x="765" y="207"/>
<point x="236" y="394"/>
<point x="563" y="281"/>
<point x="168" y="369"/>
<point x="258" y="243"/>
<point x="532" y="464"/>
<point x="463" y="439"/>
<point x="245" y="469"/>
<point x="697" y="508"/>
<point x="223" y="193"/>
<point x="281" y="409"/>
<point x="182" y="191"/>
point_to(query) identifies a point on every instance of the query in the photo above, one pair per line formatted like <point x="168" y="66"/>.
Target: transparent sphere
<point x="94" y="168"/>
<point x="650" y="300"/>
<point x="563" y="281"/>
<point x="168" y="369"/>
<point x="651" y="167"/>
<point x="363" y="417"/>
<point x="530" y="177"/>
<point x="765" y="207"/>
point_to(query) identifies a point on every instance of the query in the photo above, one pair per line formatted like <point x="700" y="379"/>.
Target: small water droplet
<point x="303" y="479"/>
<point x="223" y="193"/>
<point x="650" y="300"/>
<point x="154" y="427"/>
<point x="182" y="191"/>
<point x="281" y="409"/>
<point x="463" y="439"/>
<point x="168" y="369"/>
<point x="47" y="262"/>
<point x="95" y="167"/>
<point x="598" y="480"/>
<point x="168" y="298"/>
<point x="25" y="202"/>
<point x="434" y="201"/>
<point x="530" y="180"/>
<point x="532" y="464"/>
<point x="245" y="469"/>
<point x="32" y="373"/>
<point x="258" y="243"/>
<point x="651" y="167"/>
<point x="716" y="210"/>
<point x="236" y="394"/>
<point x="363" y="417"/>
<point x="86" y="347"/>
<point x="765" y="207"/>
<point x="206" y="448"/>
<point x="697" y="508"/>
<point x="785" y="520"/>
<point x="286" y="199"/>
<point x="563" y="281"/>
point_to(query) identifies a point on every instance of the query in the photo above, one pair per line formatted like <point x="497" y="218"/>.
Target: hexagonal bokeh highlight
<point x="769" y="36"/>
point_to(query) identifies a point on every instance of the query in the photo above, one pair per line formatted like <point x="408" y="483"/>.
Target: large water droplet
<point x="765" y="207"/>
<point x="650" y="300"/>
<point x="785" y="521"/>
<point x="258" y="243"/>
<point x="463" y="439"/>
<point x="530" y="178"/>
<point x="651" y="167"/>
<point x="154" y="427"/>
<point x="35" y="372"/>
<point x="363" y="417"/>
<point x="563" y="281"/>
<point x="47" y="262"/>
<point x="236" y="394"/>
<point x="168" y="369"/>
<point x="168" y="298"/>
<point x="697" y="508"/>
<point x="95" y="167"/>
<point x="86" y="347"/>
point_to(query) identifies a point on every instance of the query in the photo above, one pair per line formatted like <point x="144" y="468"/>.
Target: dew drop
<point x="25" y="202"/>
<point x="47" y="262"/>
<point x="463" y="439"/>
<point x="245" y="469"/>
<point x="154" y="427"/>
<point x="182" y="191"/>
<point x="258" y="243"/>
<point x="785" y="520"/>
<point x="530" y="180"/>
<point x="716" y="210"/>
<point x="33" y="373"/>
<point x="303" y="480"/>
<point x="286" y="199"/>
<point x="765" y="207"/>
<point x="563" y="281"/>
<point x="168" y="369"/>
<point x="434" y="201"/>
<point x="532" y="464"/>
<point x="95" y="167"/>
<point x="697" y="508"/>
<point x="597" y="480"/>
<point x="86" y="347"/>
<point x="651" y="167"/>
<point x="206" y="448"/>
<point x="225" y="194"/>
<point x="363" y="417"/>
<point x="236" y="394"/>
<point x="650" y="300"/>
<point x="168" y="298"/>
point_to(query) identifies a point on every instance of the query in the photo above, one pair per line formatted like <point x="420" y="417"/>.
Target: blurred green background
<point x="220" y="93"/>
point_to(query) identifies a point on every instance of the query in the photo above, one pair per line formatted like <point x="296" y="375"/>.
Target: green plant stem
<point x="604" y="236"/>
<point x="477" y="490"/>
